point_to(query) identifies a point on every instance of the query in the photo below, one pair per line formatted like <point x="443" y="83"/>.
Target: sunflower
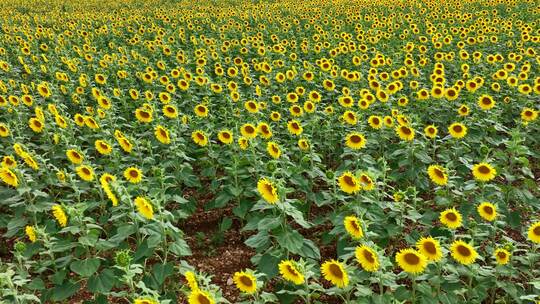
<point x="201" y="110"/>
<point x="334" y="272"/>
<point x="367" y="258"/>
<point x="375" y="122"/>
<point x="295" y="127"/>
<point x="484" y="172"/>
<point x="243" y="143"/>
<point x="355" y="140"/>
<point x="162" y="135"/>
<point x="502" y="256"/>
<point x="43" y="90"/>
<point x="9" y="162"/>
<point x="451" y="218"/>
<point x="143" y="115"/>
<point x="85" y="172"/>
<point x="366" y="182"/>
<point x="91" y="123"/>
<point x="170" y="111"/>
<point x="59" y="215"/>
<point x="199" y="138"/>
<point x="225" y="136"/>
<point x="125" y="144"/>
<point x="30" y="233"/>
<point x="245" y="282"/>
<point x="8" y="177"/>
<point x="353" y="227"/>
<point x="267" y="190"/>
<point x="463" y="252"/>
<point x="74" y="156"/>
<point x="438" y="175"/>
<point x="133" y="175"/>
<point x="264" y="130"/>
<point x="534" y="233"/>
<point x="36" y="125"/>
<point x="248" y="130"/>
<point x="349" y="183"/>
<point x="303" y="144"/>
<point x="144" y="207"/>
<point x="273" y="149"/>
<point x="289" y="271"/>
<point x="457" y="130"/>
<point x="405" y="133"/>
<point x="487" y="211"/>
<point x="411" y="261"/>
<point x="103" y="147"/>
<point x="200" y="297"/>
<point x="350" y="117"/>
<point x="528" y="114"/>
<point x="430" y="248"/>
<point x="486" y="102"/>
<point x="4" y="130"/>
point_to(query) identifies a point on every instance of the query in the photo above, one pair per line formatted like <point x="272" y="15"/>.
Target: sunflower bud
<point x="123" y="258"/>
<point x="20" y="247"/>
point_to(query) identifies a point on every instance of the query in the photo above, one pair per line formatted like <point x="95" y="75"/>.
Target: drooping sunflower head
<point x="145" y="301"/>
<point x="290" y="272"/>
<point x="144" y="207"/>
<point x="143" y="115"/>
<point x="502" y="256"/>
<point x="199" y="138"/>
<point x="438" y="175"/>
<point x="103" y="147"/>
<point x="487" y="211"/>
<point x="85" y="172"/>
<point x="225" y="136"/>
<point x="349" y="183"/>
<point x="451" y="218"/>
<point x="162" y="135"/>
<point x="200" y="297"/>
<point x="484" y="172"/>
<point x="74" y="156"/>
<point x="353" y="227"/>
<point x="463" y="252"/>
<point x="411" y="261"/>
<point x="367" y="258"/>
<point x="366" y="182"/>
<point x="267" y="190"/>
<point x="9" y="177"/>
<point x="273" y="149"/>
<point x="245" y="282"/>
<point x="430" y="248"/>
<point x="303" y="144"/>
<point x="335" y="272"/>
<point x="405" y="132"/>
<point x="265" y="130"/>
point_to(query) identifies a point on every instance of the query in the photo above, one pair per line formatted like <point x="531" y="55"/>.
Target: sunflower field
<point x="269" y="151"/>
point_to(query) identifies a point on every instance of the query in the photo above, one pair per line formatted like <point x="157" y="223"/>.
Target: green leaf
<point x="85" y="268"/>
<point x="103" y="282"/>
<point x="268" y="264"/>
<point x="292" y="240"/>
<point x="162" y="271"/>
<point x="64" y="291"/>
<point x="180" y="248"/>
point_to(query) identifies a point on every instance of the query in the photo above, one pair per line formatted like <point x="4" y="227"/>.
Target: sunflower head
<point x="484" y="172"/>
<point x="367" y="258"/>
<point x="487" y="211"/>
<point x="267" y="190"/>
<point x="353" y="227"/>
<point x="451" y="218"/>
<point x="502" y="256"/>
<point x="534" y="233"/>
<point x="290" y="272"/>
<point x="463" y="252"/>
<point x="430" y="248"/>
<point x="335" y="272"/>
<point x="349" y="183"/>
<point x="245" y="282"/>
<point x="411" y="261"/>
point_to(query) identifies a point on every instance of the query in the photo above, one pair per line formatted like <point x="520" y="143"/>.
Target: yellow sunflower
<point x="8" y="177"/>
<point x="534" y="233"/>
<point x="162" y="135"/>
<point x="366" y="182"/>
<point x="74" y="156"/>
<point x="133" y="175"/>
<point x="200" y="297"/>
<point x="430" y="131"/>
<point x="528" y="114"/>
<point x="273" y="149"/>
<point x="201" y="110"/>
<point x="367" y="258"/>
<point x="245" y="282"/>
<point x="9" y="162"/>
<point x="484" y="172"/>
<point x="430" y="248"/>
<point x="438" y="175"/>
<point x="353" y="226"/>
<point x="145" y="301"/>
<point x="486" y="102"/>
<point x="303" y="144"/>
<point x="289" y="271"/>
<point x="457" y="130"/>
<point x="225" y="136"/>
<point x="295" y="127"/>
<point x="30" y="233"/>
<point x="411" y="261"/>
<point x="451" y="218"/>
<point x="355" y="140"/>
<point x="144" y="207"/>
<point x="4" y="130"/>
<point x="36" y="125"/>
<point x="199" y="138"/>
<point x="143" y="115"/>
<point x="375" y="122"/>
<point x="103" y="147"/>
<point x="487" y="211"/>
<point x="267" y="190"/>
<point x="335" y="272"/>
<point x="405" y="133"/>
<point x="59" y="215"/>
<point x="349" y="183"/>
<point x="502" y="256"/>
<point x="463" y="252"/>
<point x="191" y="279"/>
<point x="85" y="172"/>
<point x="170" y="111"/>
<point x="248" y="131"/>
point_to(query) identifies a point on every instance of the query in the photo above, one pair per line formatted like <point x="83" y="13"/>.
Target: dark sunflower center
<point x="133" y="173"/>
<point x="203" y="299"/>
<point x="291" y="270"/>
<point x="451" y="216"/>
<point x="369" y="256"/>
<point x="335" y="270"/>
<point x="488" y="210"/>
<point x="86" y="171"/>
<point x="354" y="224"/>
<point x="349" y="181"/>
<point x="458" y="128"/>
<point x="464" y="251"/>
<point x="451" y="93"/>
<point x="249" y="129"/>
<point x="226" y="135"/>
<point x="269" y="188"/>
<point x="200" y="136"/>
<point x="376" y="121"/>
<point x="484" y="169"/>
<point x="501" y="255"/>
<point x="430" y="247"/>
<point x="438" y="173"/>
<point x="252" y="106"/>
<point x="246" y="281"/>
<point x="486" y="101"/>
<point x="406" y="130"/>
<point x="356" y="139"/>
<point x="37" y="123"/>
<point x="411" y="259"/>
<point x="145" y="114"/>
<point x="528" y="113"/>
<point x="536" y="230"/>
